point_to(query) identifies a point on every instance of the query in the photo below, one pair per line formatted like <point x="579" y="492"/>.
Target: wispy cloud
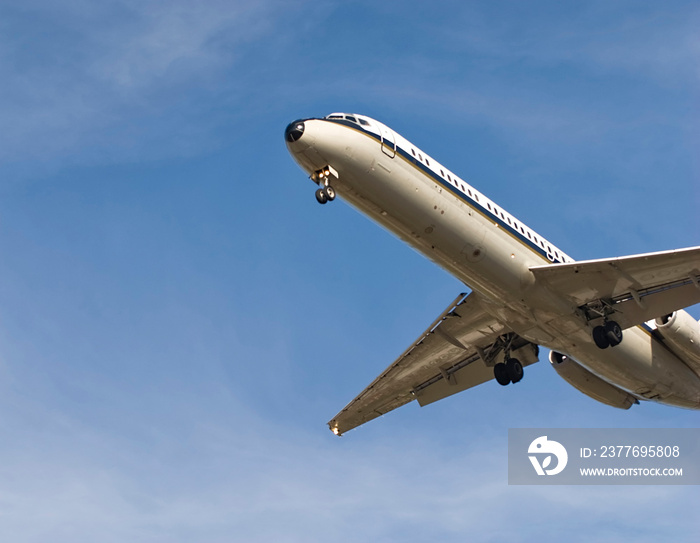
<point x="561" y="75"/>
<point x="119" y="77"/>
<point x="220" y="479"/>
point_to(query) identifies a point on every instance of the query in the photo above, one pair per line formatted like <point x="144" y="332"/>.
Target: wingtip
<point x="334" y="428"/>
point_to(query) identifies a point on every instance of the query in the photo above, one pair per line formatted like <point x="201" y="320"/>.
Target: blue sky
<point x="179" y="318"/>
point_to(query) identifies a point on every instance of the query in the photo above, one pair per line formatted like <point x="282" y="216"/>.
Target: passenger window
<point x="413" y="152"/>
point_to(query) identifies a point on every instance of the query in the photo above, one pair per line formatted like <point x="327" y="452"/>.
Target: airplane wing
<point x="638" y="288"/>
<point x="456" y="352"/>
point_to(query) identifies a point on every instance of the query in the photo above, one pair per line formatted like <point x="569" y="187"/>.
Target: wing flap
<point x="632" y="312"/>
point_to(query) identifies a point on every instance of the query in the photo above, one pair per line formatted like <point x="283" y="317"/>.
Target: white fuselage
<point x="446" y="219"/>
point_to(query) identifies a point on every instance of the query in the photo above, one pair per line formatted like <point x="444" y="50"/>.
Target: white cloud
<point x="188" y="38"/>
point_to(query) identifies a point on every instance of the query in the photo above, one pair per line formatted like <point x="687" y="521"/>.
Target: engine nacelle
<point x="681" y="333"/>
<point x="589" y="383"/>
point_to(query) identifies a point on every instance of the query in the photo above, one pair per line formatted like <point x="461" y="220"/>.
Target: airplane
<point x="615" y="327"/>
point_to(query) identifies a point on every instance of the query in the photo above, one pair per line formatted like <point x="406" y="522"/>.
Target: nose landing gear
<point x="325" y="194"/>
<point x="322" y="178"/>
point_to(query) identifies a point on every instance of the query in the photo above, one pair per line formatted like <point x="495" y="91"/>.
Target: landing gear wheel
<point x="600" y="337"/>
<point x="330" y="193"/>
<point x="613" y="332"/>
<point x="321" y="196"/>
<point x="514" y="369"/>
<point x="500" y="372"/>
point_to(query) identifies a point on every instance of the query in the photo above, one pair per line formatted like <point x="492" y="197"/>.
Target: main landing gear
<point x="510" y="371"/>
<point x="609" y="334"/>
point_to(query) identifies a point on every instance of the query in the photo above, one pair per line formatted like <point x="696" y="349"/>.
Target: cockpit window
<point x="363" y="122"/>
<point x="350" y="118"/>
<point x="334" y="117"/>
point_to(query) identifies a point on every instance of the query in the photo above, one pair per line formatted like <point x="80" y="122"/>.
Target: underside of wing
<point x="634" y="288"/>
<point x="455" y="353"/>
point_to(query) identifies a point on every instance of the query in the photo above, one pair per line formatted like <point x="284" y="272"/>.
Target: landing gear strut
<point x="322" y="177"/>
<point x="511" y="369"/>
<point x="607" y="335"/>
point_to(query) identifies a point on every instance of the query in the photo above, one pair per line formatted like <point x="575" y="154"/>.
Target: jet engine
<point x="589" y="383"/>
<point x="681" y="334"/>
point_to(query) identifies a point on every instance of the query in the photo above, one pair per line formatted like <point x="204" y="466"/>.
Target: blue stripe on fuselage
<point x="470" y="201"/>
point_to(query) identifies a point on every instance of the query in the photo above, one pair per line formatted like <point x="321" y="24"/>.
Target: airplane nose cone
<point x="294" y="131"/>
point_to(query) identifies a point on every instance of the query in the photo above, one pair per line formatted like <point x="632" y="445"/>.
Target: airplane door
<point x="388" y="142"/>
